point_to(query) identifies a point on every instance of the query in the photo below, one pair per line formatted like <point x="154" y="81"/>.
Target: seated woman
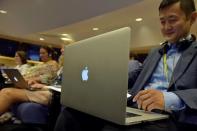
<point x="57" y="80"/>
<point x="21" y="61"/>
<point x="43" y="73"/>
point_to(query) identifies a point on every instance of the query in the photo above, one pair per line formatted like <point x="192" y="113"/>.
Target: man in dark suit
<point x="169" y="74"/>
<point x="167" y="80"/>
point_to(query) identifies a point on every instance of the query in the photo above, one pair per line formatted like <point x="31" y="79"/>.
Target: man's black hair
<point x="188" y="6"/>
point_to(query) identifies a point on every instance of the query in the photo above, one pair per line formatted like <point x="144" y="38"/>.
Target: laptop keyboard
<point x="129" y="114"/>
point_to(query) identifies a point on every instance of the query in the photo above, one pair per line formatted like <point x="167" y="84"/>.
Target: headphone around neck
<point x="181" y="44"/>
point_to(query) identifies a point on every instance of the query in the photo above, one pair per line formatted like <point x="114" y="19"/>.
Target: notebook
<point x="95" y="78"/>
<point x="16" y="78"/>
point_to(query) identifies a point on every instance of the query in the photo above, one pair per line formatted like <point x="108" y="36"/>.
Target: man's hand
<point x="150" y="99"/>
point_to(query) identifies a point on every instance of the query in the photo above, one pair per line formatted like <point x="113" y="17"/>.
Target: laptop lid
<point x="95" y="75"/>
<point x="16" y="78"/>
<point x="2" y="79"/>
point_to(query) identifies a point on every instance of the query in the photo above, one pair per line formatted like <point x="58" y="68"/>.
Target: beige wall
<point x="9" y="61"/>
<point x="148" y="34"/>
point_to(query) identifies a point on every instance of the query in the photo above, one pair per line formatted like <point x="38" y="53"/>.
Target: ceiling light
<point x="95" y="29"/>
<point x="138" y="19"/>
<point x="41" y="39"/>
<point x="3" y="12"/>
<point x="65" y="39"/>
<point x="65" y="35"/>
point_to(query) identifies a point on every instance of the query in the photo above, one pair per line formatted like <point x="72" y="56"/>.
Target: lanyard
<point x="165" y="66"/>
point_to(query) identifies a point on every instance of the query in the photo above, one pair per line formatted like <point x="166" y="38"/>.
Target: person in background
<point x="57" y="81"/>
<point x="21" y="61"/>
<point x="134" y="66"/>
<point x="133" y="62"/>
<point x="46" y="71"/>
<point x="41" y="73"/>
<point x="167" y="81"/>
<point x="61" y="58"/>
<point x="61" y="63"/>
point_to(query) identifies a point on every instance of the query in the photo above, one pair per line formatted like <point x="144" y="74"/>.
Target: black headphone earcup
<point x="184" y="44"/>
<point x="181" y="45"/>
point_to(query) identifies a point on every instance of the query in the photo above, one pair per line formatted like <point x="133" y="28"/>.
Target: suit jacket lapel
<point x="183" y="63"/>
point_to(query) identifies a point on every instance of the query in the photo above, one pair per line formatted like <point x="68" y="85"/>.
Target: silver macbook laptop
<point x="95" y="78"/>
<point x="16" y="78"/>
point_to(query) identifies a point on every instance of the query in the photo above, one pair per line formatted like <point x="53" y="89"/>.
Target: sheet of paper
<point x="58" y="89"/>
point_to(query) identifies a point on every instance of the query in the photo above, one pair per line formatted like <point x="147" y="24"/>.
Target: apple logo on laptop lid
<point x="15" y="79"/>
<point x="84" y="74"/>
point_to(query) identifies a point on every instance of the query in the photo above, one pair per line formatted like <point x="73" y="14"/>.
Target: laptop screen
<point x="2" y="79"/>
